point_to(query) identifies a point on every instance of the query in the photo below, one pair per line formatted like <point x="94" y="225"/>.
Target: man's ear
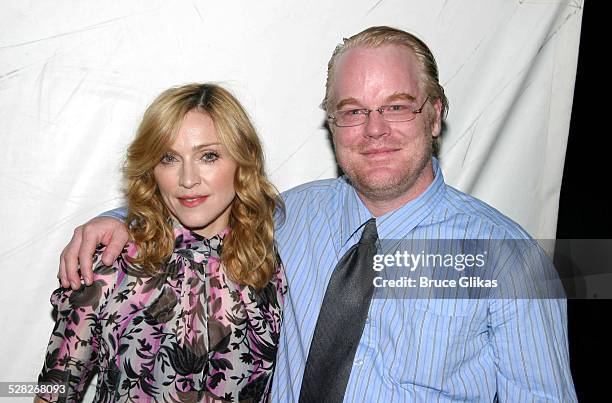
<point x="332" y="129"/>
<point x="436" y="127"/>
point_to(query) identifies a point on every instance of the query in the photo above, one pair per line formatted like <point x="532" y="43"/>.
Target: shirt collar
<point x="397" y="223"/>
<point x="353" y="213"/>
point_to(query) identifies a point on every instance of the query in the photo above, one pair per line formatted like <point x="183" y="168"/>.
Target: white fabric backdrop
<point x="75" y="77"/>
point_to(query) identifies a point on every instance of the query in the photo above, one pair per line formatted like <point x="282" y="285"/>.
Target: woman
<point x="191" y="311"/>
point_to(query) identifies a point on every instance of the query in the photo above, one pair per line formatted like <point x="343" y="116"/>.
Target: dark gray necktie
<point x="341" y="322"/>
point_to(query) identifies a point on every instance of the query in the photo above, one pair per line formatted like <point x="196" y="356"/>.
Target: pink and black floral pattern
<point x="189" y="335"/>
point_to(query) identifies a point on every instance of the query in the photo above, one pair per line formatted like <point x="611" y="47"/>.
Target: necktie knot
<point x="370" y="234"/>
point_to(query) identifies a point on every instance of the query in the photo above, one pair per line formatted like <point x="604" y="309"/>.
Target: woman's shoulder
<point x="106" y="280"/>
<point x="123" y="262"/>
<point x="279" y="279"/>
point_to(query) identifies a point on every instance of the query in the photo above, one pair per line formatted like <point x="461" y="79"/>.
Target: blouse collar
<point x="201" y="246"/>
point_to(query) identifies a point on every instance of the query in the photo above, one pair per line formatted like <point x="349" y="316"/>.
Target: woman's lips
<point x="192" y="201"/>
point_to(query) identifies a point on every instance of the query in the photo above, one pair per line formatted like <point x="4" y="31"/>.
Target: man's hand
<point x="79" y="252"/>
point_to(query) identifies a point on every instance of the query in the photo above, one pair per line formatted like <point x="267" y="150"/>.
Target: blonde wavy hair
<point x="249" y="253"/>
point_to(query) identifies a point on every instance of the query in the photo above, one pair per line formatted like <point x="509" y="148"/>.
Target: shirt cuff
<point x="118" y="214"/>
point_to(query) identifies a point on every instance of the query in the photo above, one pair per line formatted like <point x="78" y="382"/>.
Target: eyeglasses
<point x="399" y="112"/>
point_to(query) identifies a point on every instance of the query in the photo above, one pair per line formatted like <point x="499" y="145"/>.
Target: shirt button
<point x="367" y="320"/>
<point x="359" y="362"/>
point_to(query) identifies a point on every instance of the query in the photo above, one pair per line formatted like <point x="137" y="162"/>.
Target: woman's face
<point x="196" y="177"/>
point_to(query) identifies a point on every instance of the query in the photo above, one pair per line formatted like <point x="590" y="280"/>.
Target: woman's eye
<point x="168" y="159"/>
<point x="210" y="157"/>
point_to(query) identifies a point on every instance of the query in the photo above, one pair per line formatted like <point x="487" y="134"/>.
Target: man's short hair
<point x="378" y="36"/>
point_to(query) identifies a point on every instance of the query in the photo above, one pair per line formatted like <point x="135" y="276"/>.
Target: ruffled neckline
<point x="195" y="246"/>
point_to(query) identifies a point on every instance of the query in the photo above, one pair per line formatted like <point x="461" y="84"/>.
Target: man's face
<point x="385" y="161"/>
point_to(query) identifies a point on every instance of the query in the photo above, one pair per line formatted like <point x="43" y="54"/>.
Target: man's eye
<point x="352" y="112"/>
<point x="210" y="156"/>
<point x="398" y="108"/>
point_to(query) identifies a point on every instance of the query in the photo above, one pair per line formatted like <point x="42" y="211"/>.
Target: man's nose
<point x="376" y="126"/>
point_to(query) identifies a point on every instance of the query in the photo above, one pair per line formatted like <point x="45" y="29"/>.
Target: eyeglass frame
<point x="380" y="110"/>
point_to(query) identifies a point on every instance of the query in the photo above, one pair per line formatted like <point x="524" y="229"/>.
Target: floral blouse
<point x="190" y="335"/>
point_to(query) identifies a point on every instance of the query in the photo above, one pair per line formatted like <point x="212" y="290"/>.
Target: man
<point x="385" y="109"/>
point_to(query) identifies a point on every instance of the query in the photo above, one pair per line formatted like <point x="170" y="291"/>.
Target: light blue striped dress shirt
<point x="417" y="350"/>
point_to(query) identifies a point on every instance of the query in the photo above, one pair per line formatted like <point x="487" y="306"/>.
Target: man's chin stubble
<point x="383" y="192"/>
